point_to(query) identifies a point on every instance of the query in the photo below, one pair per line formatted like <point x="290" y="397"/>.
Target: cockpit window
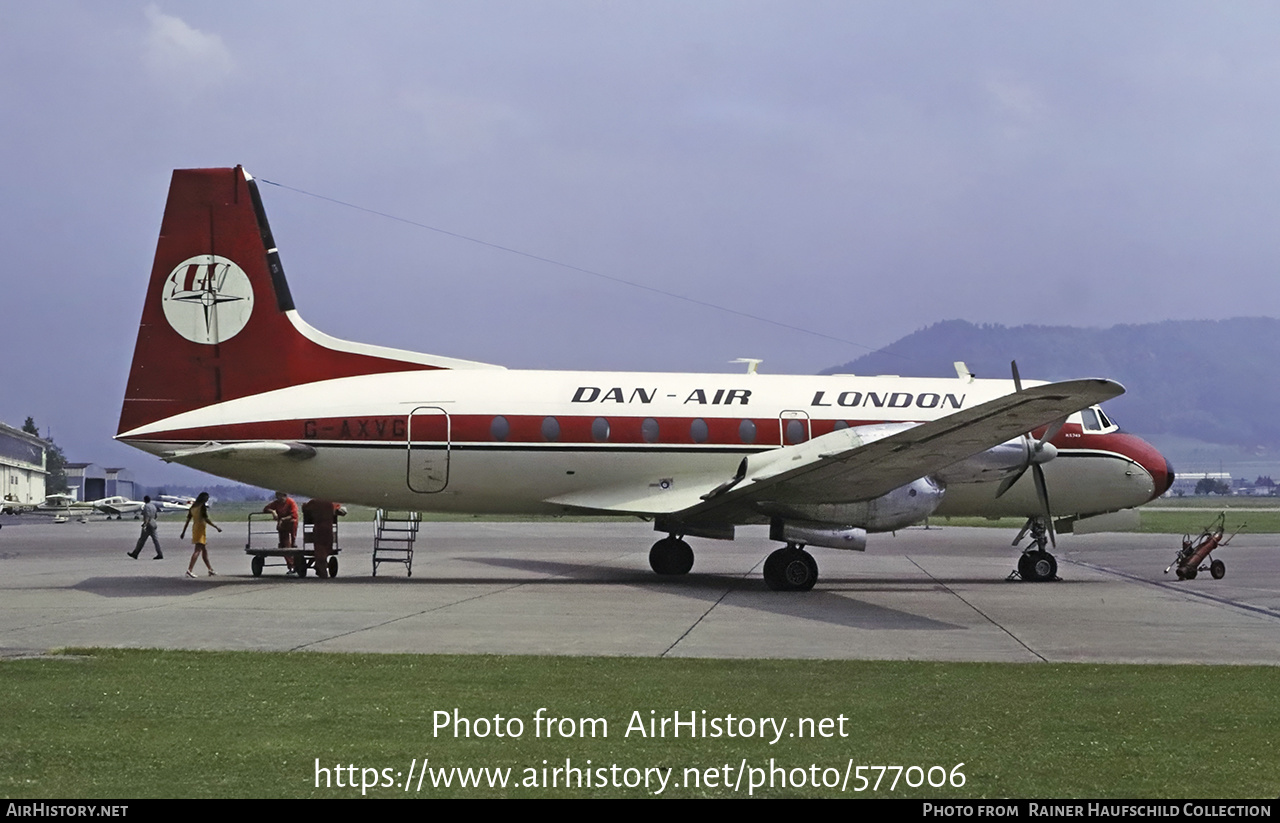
<point x="1093" y="419"/>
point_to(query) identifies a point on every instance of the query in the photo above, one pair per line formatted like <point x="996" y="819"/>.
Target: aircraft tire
<point x="790" y="569"/>
<point x="671" y="556"/>
<point x="1040" y="566"/>
<point x="1218" y="569"/>
<point x="256" y="564"/>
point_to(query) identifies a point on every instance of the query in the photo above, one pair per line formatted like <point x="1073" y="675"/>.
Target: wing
<point x="848" y="466"/>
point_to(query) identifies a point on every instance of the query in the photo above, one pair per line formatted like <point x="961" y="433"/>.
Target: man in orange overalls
<point x="323" y="516"/>
<point x="285" y="512"/>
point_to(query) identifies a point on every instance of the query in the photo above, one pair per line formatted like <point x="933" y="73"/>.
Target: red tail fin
<point x="218" y="322"/>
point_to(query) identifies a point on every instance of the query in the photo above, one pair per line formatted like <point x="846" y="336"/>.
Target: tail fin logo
<point x="207" y="299"/>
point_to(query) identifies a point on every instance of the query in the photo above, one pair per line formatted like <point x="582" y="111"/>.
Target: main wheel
<point x="671" y="556"/>
<point x="790" y="569"/>
<point x="255" y="565"/>
<point x="1218" y="569"/>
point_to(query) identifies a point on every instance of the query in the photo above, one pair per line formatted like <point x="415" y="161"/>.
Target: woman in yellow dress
<point x="197" y="519"/>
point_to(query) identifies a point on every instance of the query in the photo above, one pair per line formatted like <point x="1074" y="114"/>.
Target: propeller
<point x="1038" y="452"/>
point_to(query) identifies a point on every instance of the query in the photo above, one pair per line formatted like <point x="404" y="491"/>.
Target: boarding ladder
<point x="393" y="536"/>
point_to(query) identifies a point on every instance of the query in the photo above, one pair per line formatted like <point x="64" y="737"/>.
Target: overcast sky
<point x="861" y="169"/>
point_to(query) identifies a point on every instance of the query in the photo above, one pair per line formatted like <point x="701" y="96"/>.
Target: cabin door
<point x="428" y="449"/>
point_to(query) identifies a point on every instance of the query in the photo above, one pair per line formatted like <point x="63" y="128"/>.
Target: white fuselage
<point x="499" y="441"/>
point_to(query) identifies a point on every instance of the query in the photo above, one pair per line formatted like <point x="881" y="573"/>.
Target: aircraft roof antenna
<point x="752" y="363"/>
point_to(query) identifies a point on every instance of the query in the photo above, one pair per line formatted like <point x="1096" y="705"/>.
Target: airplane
<point x="174" y="503"/>
<point x="65" y="505"/>
<point x="9" y="504"/>
<point x="60" y="506"/>
<point x="227" y="378"/>
<point x="118" y="506"/>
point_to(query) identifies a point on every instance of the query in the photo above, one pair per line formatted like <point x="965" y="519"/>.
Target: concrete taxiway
<point x="586" y="589"/>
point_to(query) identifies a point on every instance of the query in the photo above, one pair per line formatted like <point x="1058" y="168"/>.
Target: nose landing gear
<point x="1036" y="565"/>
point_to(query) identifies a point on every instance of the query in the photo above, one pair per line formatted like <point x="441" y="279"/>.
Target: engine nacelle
<point x="896" y="510"/>
<point x="849" y="538"/>
<point x="997" y="463"/>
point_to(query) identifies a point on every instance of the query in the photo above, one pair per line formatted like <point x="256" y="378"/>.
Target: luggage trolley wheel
<point x="333" y="566"/>
<point x="300" y="565"/>
<point x="1218" y="569"/>
<point x="256" y="564"/>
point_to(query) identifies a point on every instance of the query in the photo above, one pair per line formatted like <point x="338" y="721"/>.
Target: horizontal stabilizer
<point x="259" y="450"/>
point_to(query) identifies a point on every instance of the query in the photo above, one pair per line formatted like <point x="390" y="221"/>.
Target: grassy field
<point x="135" y="724"/>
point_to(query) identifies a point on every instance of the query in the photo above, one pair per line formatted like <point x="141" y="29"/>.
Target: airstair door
<point x="428" y="449"/>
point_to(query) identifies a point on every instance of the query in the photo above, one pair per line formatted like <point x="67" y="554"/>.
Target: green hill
<point x="1208" y="380"/>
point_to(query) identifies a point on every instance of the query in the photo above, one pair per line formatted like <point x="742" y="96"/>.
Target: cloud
<point x="183" y="57"/>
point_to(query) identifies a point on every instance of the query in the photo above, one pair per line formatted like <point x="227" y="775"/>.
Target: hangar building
<point x="22" y="466"/>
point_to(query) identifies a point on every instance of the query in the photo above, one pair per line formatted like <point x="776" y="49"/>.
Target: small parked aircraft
<point x="228" y="378"/>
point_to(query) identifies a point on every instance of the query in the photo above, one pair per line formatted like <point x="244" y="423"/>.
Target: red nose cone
<point x="1145" y="455"/>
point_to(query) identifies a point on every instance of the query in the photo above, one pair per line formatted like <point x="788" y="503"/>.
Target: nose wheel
<point x="1036" y="565"/>
<point x="790" y="569"/>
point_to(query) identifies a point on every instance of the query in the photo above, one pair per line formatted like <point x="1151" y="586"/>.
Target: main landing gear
<point x="1036" y="565"/>
<point x="671" y="556"/>
<point x="790" y="569"/>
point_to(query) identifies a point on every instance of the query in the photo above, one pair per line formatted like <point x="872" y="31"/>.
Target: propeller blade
<point x="1008" y="482"/>
<point x="1052" y="431"/>
<point x="1017" y="379"/>
<point x="1042" y="492"/>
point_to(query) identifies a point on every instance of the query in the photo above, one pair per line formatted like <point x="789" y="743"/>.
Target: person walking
<point x="149" y="515"/>
<point x="197" y="519"/>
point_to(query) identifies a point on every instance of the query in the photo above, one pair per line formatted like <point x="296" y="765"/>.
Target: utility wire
<point x="579" y="269"/>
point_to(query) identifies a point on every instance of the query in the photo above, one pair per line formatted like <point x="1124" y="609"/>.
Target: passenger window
<point x="747" y="431"/>
<point x="649" y="430"/>
<point x="698" y="431"/>
<point x="840" y="424"/>
<point x="600" y="430"/>
<point x="500" y="429"/>
<point x="795" y="431"/>
<point x="550" y="429"/>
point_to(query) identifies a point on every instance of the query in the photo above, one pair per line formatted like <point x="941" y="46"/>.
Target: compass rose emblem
<point x="207" y="299"/>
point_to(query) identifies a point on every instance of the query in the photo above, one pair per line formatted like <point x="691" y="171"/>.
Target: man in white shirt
<point x="149" y="514"/>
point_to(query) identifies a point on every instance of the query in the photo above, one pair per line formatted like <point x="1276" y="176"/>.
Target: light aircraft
<point x="118" y="506"/>
<point x="62" y="506"/>
<point x="228" y="378"/>
<point x="65" y="505"/>
<point x="10" y="505"/>
<point x="174" y="503"/>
